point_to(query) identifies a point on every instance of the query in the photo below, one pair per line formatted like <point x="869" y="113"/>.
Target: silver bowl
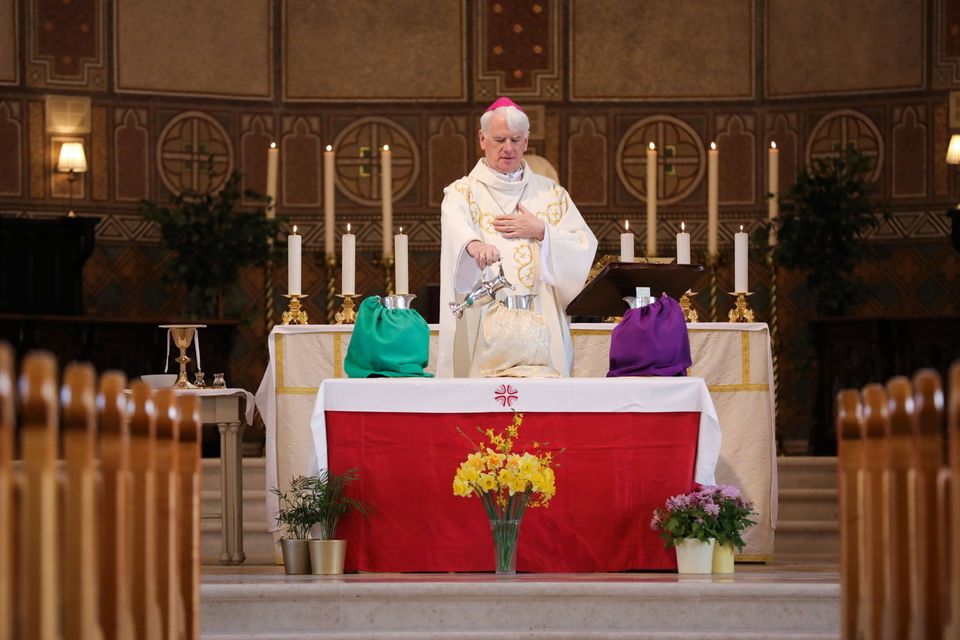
<point x="397" y="301"/>
<point x="522" y="302"/>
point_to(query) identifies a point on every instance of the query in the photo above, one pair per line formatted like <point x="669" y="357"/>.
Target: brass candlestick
<point x="741" y="311"/>
<point x="294" y="314"/>
<point x="347" y="314"/>
<point x="689" y="313"/>
<point x="713" y="261"/>
<point x="331" y="305"/>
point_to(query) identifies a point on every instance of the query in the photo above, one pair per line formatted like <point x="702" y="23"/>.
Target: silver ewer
<point x="397" y="301"/>
<point x="483" y="291"/>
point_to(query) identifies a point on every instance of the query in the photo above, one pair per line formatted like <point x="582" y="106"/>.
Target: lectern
<point x="603" y="296"/>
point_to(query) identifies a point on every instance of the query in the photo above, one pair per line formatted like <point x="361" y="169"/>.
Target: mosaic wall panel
<point x="66" y="44"/>
<point x="98" y="169"/>
<point x="193" y="152"/>
<point x="448" y="145"/>
<point x="624" y="50"/>
<point x="258" y="131"/>
<point x="737" y="170"/>
<point x="358" y="146"/>
<point x="9" y="51"/>
<point x="845" y="129"/>
<point x="211" y="48"/>
<point x="782" y="128"/>
<point x="301" y="157"/>
<point x="518" y="49"/>
<point x="946" y="44"/>
<point x="587" y="154"/>
<point x="349" y="50"/>
<point x="909" y="152"/>
<point x="823" y="46"/>
<point x="11" y="148"/>
<point x="131" y="166"/>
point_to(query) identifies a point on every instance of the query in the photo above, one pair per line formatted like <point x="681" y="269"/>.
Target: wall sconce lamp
<point x="73" y="161"/>
<point x="953" y="157"/>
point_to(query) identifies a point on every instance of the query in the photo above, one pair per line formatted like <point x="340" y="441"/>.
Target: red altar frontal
<point x="625" y="445"/>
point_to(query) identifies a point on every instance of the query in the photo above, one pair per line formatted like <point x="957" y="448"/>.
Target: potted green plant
<point x="297" y="515"/>
<point x="213" y="240"/>
<point x="823" y="220"/>
<point x="329" y="502"/>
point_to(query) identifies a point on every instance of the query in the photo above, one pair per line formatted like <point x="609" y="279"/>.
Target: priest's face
<point x="503" y="148"/>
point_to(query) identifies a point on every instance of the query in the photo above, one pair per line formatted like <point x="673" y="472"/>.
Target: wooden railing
<point x="900" y="508"/>
<point x="106" y="544"/>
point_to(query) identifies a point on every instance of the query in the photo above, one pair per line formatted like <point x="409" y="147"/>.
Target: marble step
<point x="254" y="474"/>
<point x="254" y="504"/>
<point x="530" y="607"/>
<point x="807" y="472"/>
<point x="807" y="537"/>
<point x="807" y="504"/>
<point x="257" y="542"/>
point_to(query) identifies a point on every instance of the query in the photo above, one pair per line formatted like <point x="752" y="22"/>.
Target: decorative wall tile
<point x="662" y="50"/>
<point x="11" y="148"/>
<point x="131" y="155"/>
<point x="822" y="46"/>
<point x="194" y="153"/>
<point x="66" y="45"/>
<point x="587" y="155"/>
<point x="37" y="151"/>
<point x="941" y="138"/>
<point x="681" y="158"/>
<point x="518" y="49"/>
<point x="909" y="152"/>
<point x="99" y="171"/>
<point x="221" y="48"/>
<point x="447" y="152"/>
<point x="358" y="159"/>
<point x="946" y="44"/>
<point x="300" y="162"/>
<point x="845" y="129"/>
<point x="9" y="43"/>
<point x="362" y="51"/>
<point x="737" y="170"/>
<point x="258" y="133"/>
<point x="782" y="129"/>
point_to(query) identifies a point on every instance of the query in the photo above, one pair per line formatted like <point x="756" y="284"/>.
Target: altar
<point x="621" y="448"/>
<point x="734" y="360"/>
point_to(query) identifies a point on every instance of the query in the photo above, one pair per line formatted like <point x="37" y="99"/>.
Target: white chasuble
<point x="553" y="269"/>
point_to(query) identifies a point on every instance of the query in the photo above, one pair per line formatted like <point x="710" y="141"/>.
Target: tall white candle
<point x="773" y="181"/>
<point x="386" y="188"/>
<point x="349" y="263"/>
<point x="627" y="240"/>
<point x="273" y="159"/>
<point x="740" y="261"/>
<point x="713" y="216"/>
<point x="293" y="263"/>
<point x="652" y="200"/>
<point x="683" y="245"/>
<point x="328" y="193"/>
<point x="401" y="269"/>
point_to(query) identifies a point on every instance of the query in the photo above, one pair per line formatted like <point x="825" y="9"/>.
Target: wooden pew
<point x="875" y="426"/>
<point x="168" y="583"/>
<point x="116" y="615"/>
<point x="849" y="465"/>
<point x="142" y="556"/>
<point x="189" y="538"/>
<point x="81" y="617"/>
<point x="953" y="431"/>
<point x="926" y="614"/>
<point x="39" y="531"/>
<point x="898" y="447"/>
<point x="7" y="569"/>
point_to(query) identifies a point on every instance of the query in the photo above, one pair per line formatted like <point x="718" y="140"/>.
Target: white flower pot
<point x="694" y="556"/>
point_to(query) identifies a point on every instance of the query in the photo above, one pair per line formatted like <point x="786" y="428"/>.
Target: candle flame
<point x="401" y="230"/>
<point x="652" y="146"/>
<point x="741" y="228"/>
<point x="294" y="229"/>
<point x="273" y="145"/>
<point x="683" y="227"/>
<point x="773" y="145"/>
<point x="348" y="227"/>
<point x="386" y="147"/>
<point x="626" y="225"/>
<point x="329" y="147"/>
<point x="713" y="146"/>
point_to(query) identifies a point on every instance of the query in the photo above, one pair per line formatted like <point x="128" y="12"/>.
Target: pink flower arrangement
<point x="707" y="512"/>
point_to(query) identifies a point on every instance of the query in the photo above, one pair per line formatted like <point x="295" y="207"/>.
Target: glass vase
<point x="505" y="533"/>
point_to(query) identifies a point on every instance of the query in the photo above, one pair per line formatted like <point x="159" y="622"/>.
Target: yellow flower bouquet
<point x="506" y="483"/>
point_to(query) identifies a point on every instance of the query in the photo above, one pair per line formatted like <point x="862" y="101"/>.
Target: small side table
<point x="222" y="407"/>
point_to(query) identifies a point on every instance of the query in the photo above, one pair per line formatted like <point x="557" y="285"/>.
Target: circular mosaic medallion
<point x="681" y="160"/>
<point x="843" y="130"/>
<point x="194" y="153"/>
<point x="358" y="159"/>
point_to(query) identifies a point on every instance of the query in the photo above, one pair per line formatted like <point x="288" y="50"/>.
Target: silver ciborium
<point x="483" y="291"/>
<point x="522" y="302"/>
<point x="397" y="300"/>
<point x="642" y="299"/>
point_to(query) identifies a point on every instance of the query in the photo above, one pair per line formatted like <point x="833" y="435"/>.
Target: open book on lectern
<point x="603" y="296"/>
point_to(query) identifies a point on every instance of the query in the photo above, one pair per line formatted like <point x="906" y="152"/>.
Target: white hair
<point x="516" y="120"/>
